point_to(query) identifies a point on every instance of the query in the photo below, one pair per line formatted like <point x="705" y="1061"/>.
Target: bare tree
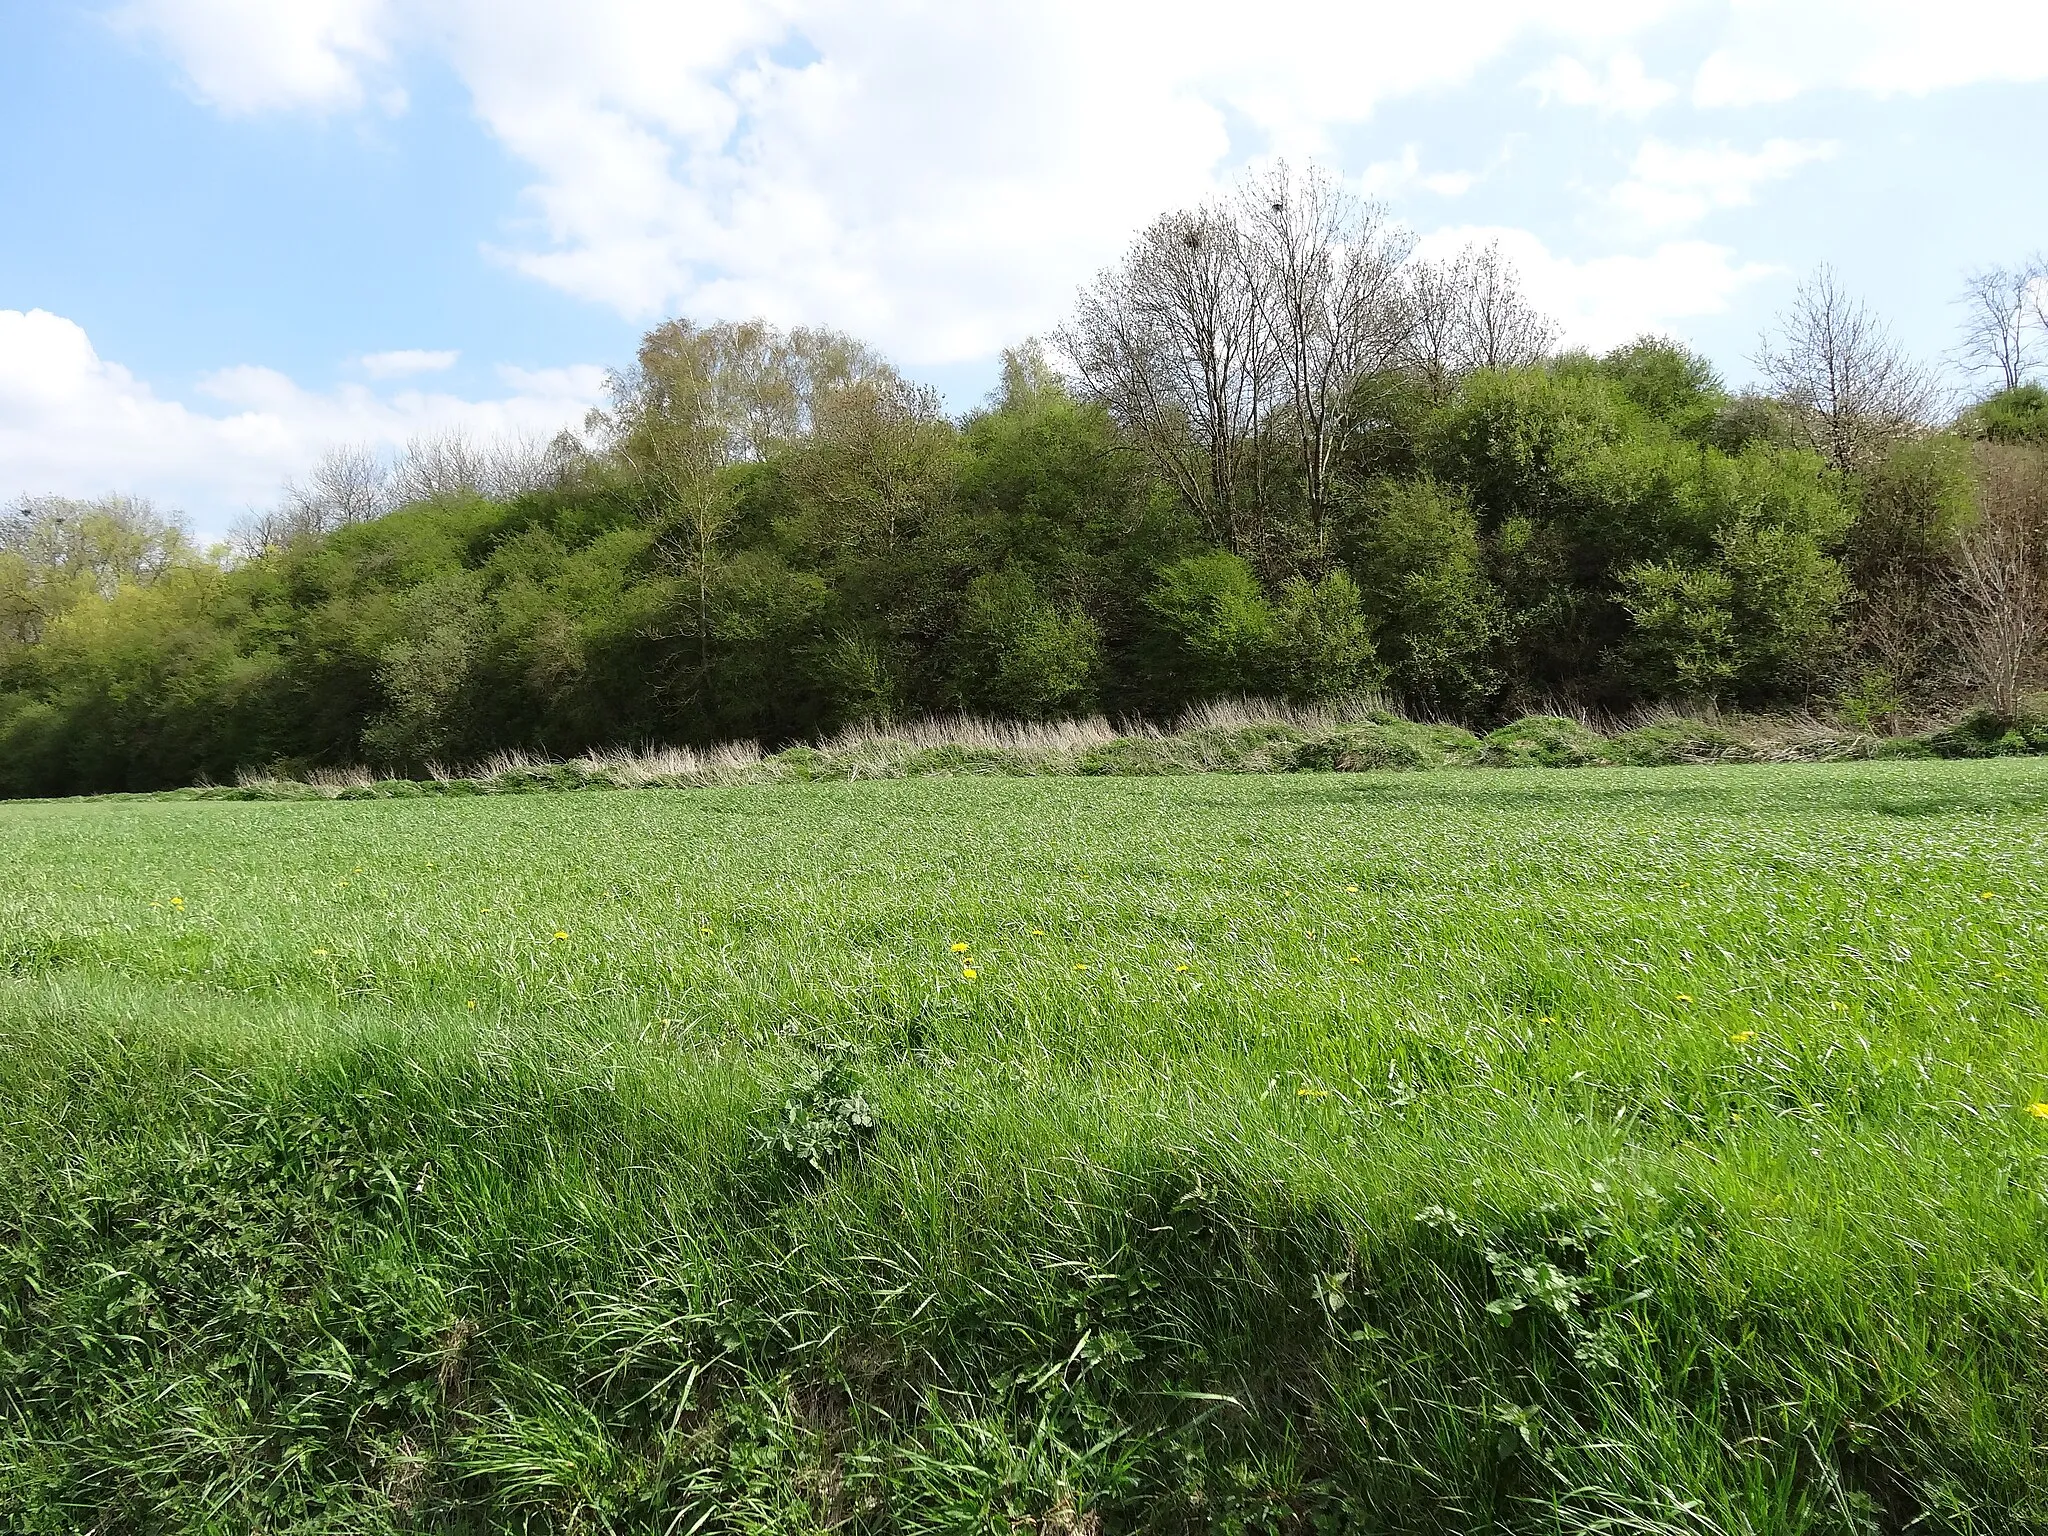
<point x="1169" y="343"/>
<point x="1850" y="388"/>
<point x="2002" y="571"/>
<point x="1470" y="312"/>
<point x="1501" y="328"/>
<point x="2001" y="310"/>
<point x="1324" y="275"/>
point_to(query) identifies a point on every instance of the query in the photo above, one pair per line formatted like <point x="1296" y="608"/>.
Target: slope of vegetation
<point x="1607" y="1151"/>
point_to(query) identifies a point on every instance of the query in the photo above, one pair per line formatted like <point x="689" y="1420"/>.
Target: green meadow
<point x="1614" y="1150"/>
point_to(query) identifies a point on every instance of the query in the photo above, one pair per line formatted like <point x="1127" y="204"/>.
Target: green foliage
<point x="1216" y="624"/>
<point x="1323" y="640"/>
<point x="770" y="536"/>
<point x="2018" y="415"/>
<point x="1026" y="657"/>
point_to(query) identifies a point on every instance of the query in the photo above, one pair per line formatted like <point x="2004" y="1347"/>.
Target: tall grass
<point x="1608" y="1151"/>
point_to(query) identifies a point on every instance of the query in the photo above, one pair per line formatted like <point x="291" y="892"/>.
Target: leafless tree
<point x="1324" y="275"/>
<point x="1834" y="364"/>
<point x="1169" y="343"/>
<point x="2001" y="311"/>
<point x="1470" y="312"/>
<point x="2002" y="571"/>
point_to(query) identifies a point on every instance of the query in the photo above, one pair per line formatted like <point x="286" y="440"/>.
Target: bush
<point x="1670" y="742"/>
<point x="1360" y="749"/>
<point x="1545" y="741"/>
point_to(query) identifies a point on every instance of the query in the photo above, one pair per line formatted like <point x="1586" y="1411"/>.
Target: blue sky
<point x="238" y="231"/>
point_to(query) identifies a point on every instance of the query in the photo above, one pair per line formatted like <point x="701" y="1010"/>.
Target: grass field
<point x="1613" y="1150"/>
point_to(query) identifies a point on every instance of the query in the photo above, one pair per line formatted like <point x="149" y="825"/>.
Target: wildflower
<point x="1357" y="960"/>
<point x="1546" y="1019"/>
<point x="1179" y="968"/>
<point x="1038" y="933"/>
<point x="959" y="949"/>
<point x="968" y="973"/>
<point x="1742" y="1037"/>
<point x="1685" y="997"/>
<point x="1306" y="1092"/>
<point x="177" y="901"/>
<point x="560" y="935"/>
<point x="2038" y="1110"/>
<point x="472" y="1002"/>
<point x="1081" y="965"/>
<point x="1352" y="888"/>
<point x="1986" y="896"/>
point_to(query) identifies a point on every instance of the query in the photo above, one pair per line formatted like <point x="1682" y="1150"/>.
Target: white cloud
<point x="1625" y="87"/>
<point x="1673" y="186"/>
<point x="403" y="364"/>
<point x="1608" y="300"/>
<point x="1774" y="51"/>
<point x="1393" y="178"/>
<point x="937" y="178"/>
<point x="73" y="423"/>
<point x="260" y="55"/>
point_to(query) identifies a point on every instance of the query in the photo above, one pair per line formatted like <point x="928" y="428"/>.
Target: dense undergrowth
<point x="1379" y="1153"/>
<point x="1226" y="736"/>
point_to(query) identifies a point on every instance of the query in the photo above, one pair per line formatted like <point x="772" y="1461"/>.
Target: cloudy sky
<point x="233" y="232"/>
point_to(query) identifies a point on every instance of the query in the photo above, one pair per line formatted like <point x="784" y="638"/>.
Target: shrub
<point x="1670" y="742"/>
<point x="1360" y="749"/>
<point x="1545" y="741"/>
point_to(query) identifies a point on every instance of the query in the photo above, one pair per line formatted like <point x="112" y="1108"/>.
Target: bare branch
<point x="1834" y="364"/>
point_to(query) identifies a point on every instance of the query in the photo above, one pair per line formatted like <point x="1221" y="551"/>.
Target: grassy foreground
<point x="1622" y="1150"/>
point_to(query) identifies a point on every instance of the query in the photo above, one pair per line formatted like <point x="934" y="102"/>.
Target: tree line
<point x="1271" y="451"/>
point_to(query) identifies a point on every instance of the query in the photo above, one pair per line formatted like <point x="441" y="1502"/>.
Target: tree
<point x="1850" y="389"/>
<point x="1470" y="312"/>
<point x="1324" y="271"/>
<point x="1169" y="343"/>
<point x="2002" y="571"/>
<point x="2002" y="307"/>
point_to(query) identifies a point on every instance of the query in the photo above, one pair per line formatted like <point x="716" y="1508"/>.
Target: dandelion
<point x="560" y="935"/>
<point x="1038" y="933"/>
<point x="1081" y="965"/>
<point x="1986" y="896"/>
<point x="1179" y="968"/>
<point x="1742" y="1037"/>
<point x="1358" y="960"/>
<point x="2038" y="1110"/>
<point x="1685" y="997"/>
<point x="1352" y="889"/>
<point x="1546" y="1019"/>
<point x="1306" y="1092"/>
<point x="959" y="949"/>
<point x="472" y="1002"/>
<point x="968" y="973"/>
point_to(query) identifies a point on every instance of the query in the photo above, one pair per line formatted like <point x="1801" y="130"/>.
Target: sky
<point x="234" y="233"/>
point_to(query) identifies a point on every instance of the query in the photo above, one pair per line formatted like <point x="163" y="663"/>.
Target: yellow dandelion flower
<point x="959" y="949"/>
<point x="1742" y="1037"/>
<point x="1352" y="888"/>
<point x="968" y="973"/>
<point x="1179" y="968"/>
<point x="1358" y="960"/>
<point x="1546" y="1019"/>
<point x="2038" y="1110"/>
<point x="1986" y="896"/>
<point x="1311" y="1093"/>
<point x="1685" y="997"/>
<point x="1081" y="965"/>
<point x="1038" y="933"/>
<point x="472" y="1002"/>
<point x="560" y="935"/>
